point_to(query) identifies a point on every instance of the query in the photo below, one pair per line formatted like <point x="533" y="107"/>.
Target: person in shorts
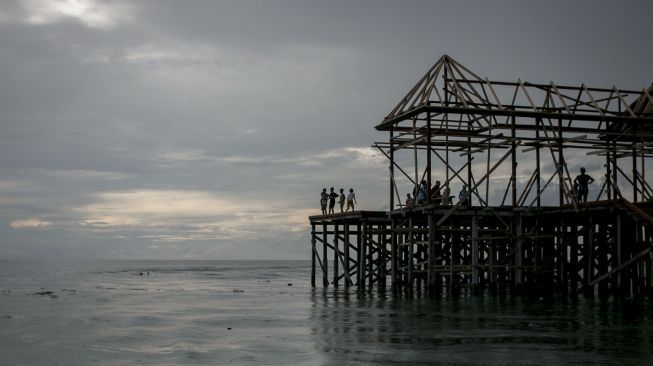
<point x="351" y="199"/>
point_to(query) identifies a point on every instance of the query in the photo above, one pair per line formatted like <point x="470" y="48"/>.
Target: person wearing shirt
<point x="351" y="199"/>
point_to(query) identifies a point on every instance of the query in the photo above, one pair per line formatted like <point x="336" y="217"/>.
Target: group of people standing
<point x="331" y="199"/>
<point x="439" y="195"/>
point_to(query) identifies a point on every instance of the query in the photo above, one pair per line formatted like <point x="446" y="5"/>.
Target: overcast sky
<point x="206" y="129"/>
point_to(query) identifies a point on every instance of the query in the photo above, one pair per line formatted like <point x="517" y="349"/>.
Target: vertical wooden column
<point x="615" y="177"/>
<point x="602" y="254"/>
<point x="619" y="250"/>
<point x="475" y="253"/>
<point x="513" y="158"/>
<point x="313" y="251"/>
<point x="537" y="161"/>
<point x="325" y="257"/>
<point x="431" y="277"/>
<point x="392" y="172"/>
<point x="519" y="251"/>
<point x="635" y="175"/>
<point x="363" y="261"/>
<point x="359" y="256"/>
<point x="491" y="261"/>
<point x="380" y="266"/>
<point x="561" y="164"/>
<point x="573" y="269"/>
<point x="347" y="257"/>
<point x="393" y="254"/>
<point x="411" y="253"/>
<point x="588" y="249"/>
<point x="336" y="255"/>
<point x="428" y="159"/>
<point x="608" y="171"/>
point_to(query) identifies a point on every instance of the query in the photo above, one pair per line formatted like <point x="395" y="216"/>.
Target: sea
<point x="266" y="313"/>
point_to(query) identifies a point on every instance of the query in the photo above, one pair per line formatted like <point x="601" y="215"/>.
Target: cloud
<point x="177" y="215"/>
<point x="91" y="13"/>
<point x="30" y="223"/>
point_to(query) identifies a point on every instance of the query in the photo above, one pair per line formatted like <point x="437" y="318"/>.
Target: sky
<point x="206" y="129"/>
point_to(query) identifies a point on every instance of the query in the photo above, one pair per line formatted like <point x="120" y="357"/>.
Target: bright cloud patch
<point x="93" y="14"/>
<point x="30" y="223"/>
<point x="175" y="215"/>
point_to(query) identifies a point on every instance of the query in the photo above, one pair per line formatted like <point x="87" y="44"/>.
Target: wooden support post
<point x="470" y="177"/>
<point x="561" y="164"/>
<point x="573" y="258"/>
<point x="392" y="172"/>
<point x="347" y="244"/>
<point x="409" y="262"/>
<point x="336" y="234"/>
<point x="431" y="277"/>
<point x="518" y="251"/>
<point x="363" y="262"/>
<point x="615" y="177"/>
<point x="635" y="176"/>
<point x="619" y="249"/>
<point x="359" y="257"/>
<point x="475" y="253"/>
<point x="380" y="257"/>
<point x="513" y="170"/>
<point x="325" y="257"/>
<point x="491" y="260"/>
<point x="428" y="159"/>
<point x="313" y="249"/>
<point x="393" y="254"/>
<point x="588" y="246"/>
<point x="537" y="162"/>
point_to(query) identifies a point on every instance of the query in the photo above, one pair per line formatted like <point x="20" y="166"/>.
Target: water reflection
<point x="349" y="327"/>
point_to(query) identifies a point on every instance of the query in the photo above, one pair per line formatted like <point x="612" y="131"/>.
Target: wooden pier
<point x="455" y="125"/>
<point x="604" y="249"/>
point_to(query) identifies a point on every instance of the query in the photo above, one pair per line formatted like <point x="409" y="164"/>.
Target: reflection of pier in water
<point x="351" y="327"/>
<point x="452" y="117"/>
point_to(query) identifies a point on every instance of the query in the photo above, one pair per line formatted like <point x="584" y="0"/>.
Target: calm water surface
<point x="245" y="313"/>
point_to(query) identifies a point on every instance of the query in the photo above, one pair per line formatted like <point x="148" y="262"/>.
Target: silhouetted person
<point x="462" y="196"/>
<point x="436" y="195"/>
<point x="323" y="201"/>
<point x="351" y="199"/>
<point x="445" y="195"/>
<point x="409" y="200"/>
<point x="341" y="199"/>
<point x="332" y="200"/>
<point x="421" y="193"/>
<point x="583" y="180"/>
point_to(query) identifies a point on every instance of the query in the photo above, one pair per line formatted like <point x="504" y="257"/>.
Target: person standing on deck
<point x="332" y="200"/>
<point x="323" y="201"/>
<point x="421" y="193"/>
<point x="462" y="196"/>
<point x="436" y="195"/>
<point x="409" y="200"/>
<point x="445" y="195"/>
<point x="341" y="199"/>
<point x="583" y="180"/>
<point x="351" y="199"/>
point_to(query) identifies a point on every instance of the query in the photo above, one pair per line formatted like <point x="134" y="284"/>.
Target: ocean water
<point x="266" y="313"/>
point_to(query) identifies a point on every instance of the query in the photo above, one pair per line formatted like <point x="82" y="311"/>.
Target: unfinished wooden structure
<point x="516" y="226"/>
